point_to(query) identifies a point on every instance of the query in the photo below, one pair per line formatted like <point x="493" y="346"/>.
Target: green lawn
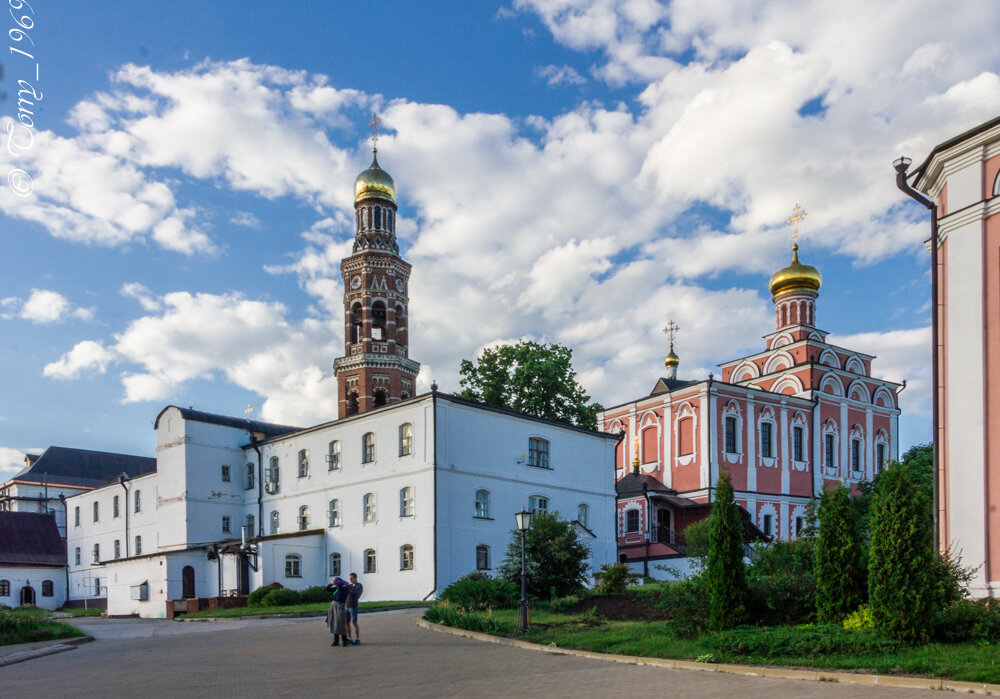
<point x="972" y="662"/>
<point x="296" y="609"/>
<point x="94" y="611"/>
<point x="27" y="624"/>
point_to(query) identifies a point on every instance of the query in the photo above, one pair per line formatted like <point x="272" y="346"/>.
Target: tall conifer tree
<point x="726" y="572"/>
<point x="840" y="578"/>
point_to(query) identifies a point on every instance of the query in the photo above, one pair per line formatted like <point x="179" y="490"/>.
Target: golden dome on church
<point x="374" y="183"/>
<point x="672" y="359"/>
<point x="796" y="277"/>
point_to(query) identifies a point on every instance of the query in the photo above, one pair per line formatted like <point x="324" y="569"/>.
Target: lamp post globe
<point x="523" y="519"/>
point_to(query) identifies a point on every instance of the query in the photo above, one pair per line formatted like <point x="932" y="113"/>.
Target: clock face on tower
<point x="399" y="285"/>
<point x="356" y="282"/>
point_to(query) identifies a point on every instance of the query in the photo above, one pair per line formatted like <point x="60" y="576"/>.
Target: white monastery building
<point x="410" y="492"/>
<point x="962" y="178"/>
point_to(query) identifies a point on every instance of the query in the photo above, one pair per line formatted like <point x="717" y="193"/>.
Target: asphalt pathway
<point x="293" y="657"/>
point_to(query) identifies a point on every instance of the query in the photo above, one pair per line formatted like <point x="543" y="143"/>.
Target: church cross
<point x="374" y="124"/>
<point x="249" y="411"/>
<point x="798" y="214"/>
<point x="671" y="331"/>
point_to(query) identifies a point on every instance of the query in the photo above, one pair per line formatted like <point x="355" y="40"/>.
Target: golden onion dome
<point x="374" y="183"/>
<point x="672" y="359"/>
<point x="796" y="277"/>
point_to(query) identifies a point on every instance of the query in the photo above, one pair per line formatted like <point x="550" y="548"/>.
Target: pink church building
<point x="962" y="178"/>
<point x="784" y="422"/>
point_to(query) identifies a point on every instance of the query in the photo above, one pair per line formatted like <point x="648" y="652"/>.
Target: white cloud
<point x="137" y="291"/>
<point x="560" y="75"/>
<point x="11" y="462"/>
<point x="87" y="356"/>
<point x="245" y="219"/>
<point x="43" y="307"/>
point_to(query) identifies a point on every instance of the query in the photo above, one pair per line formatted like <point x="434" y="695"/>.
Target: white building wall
<point x="33" y="577"/>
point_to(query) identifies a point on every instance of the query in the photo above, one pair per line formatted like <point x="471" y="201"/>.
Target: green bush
<point x="840" y="578"/>
<point x="615" y="578"/>
<point x="280" y="598"/>
<point x="254" y="599"/>
<point x="564" y="604"/>
<point x="860" y="620"/>
<point x="794" y="558"/>
<point x="478" y="590"/>
<point x="556" y="558"/>
<point x="725" y="573"/>
<point x="951" y="578"/>
<point x="687" y="603"/>
<point x="315" y="594"/>
<point x="902" y="588"/>
<point x="968" y="620"/>
<point x="449" y="615"/>
<point x="774" y="600"/>
<point x="799" y="641"/>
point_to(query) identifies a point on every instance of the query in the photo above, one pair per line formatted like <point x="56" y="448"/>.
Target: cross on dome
<point x="671" y="331"/>
<point x="374" y="124"/>
<point x="798" y="213"/>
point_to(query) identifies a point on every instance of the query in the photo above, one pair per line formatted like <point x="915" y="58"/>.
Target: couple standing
<point x="344" y="609"/>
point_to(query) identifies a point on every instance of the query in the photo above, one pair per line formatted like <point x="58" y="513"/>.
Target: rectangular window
<point x="273" y="472"/>
<point x="333" y="455"/>
<point x="631" y="521"/>
<point x="405" y="439"/>
<point x="768" y="524"/>
<point x="226" y="476"/>
<point x="767" y="440"/>
<point x="797" y="433"/>
<point x="406" y="502"/>
<point x="828" y="451"/>
<point x="799" y="525"/>
<point x="482" y="557"/>
<point x="406" y="557"/>
<point x="250" y="480"/>
<point x="538" y="503"/>
<point x="293" y="566"/>
<point x="97" y="587"/>
<point x="77" y="556"/>
<point x="334" y="564"/>
<point x="227" y="524"/>
<point x="118" y="549"/>
<point x="368" y="448"/>
<point x="76" y="516"/>
<point x="138" y="501"/>
<point x="334" y="513"/>
<point x="96" y="512"/>
<point x="483" y="504"/>
<point x="138" y="546"/>
<point x="731" y="435"/>
<point x="879" y="458"/>
<point x="303" y="463"/>
<point x="538" y="453"/>
<point x="114" y="507"/>
<point x="97" y="553"/>
<point x="369" y="560"/>
<point x="856" y="454"/>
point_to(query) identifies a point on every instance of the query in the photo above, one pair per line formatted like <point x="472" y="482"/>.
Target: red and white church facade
<point x="784" y="423"/>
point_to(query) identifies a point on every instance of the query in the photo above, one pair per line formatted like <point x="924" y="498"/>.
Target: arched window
<point x="76" y="516"/>
<point x="352" y="404"/>
<point x="378" y="321"/>
<point x="538" y="503"/>
<point x="96" y="553"/>
<point x="406" y="439"/>
<point x="333" y="512"/>
<point x="369" y="507"/>
<point x="303" y="517"/>
<point x="857" y="463"/>
<point x="274" y="472"/>
<point x="368" y="447"/>
<point x="406" y="502"/>
<point x="380" y="397"/>
<point x="400" y="325"/>
<point x="996" y="186"/>
<point x="138" y="545"/>
<point x="334" y="564"/>
<point x="293" y="566"/>
<point x="483" y="504"/>
<point x="538" y="452"/>
<point x="482" y="557"/>
<point x="4" y="588"/>
<point x="378" y="216"/>
<point x="406" y="557"/>
<point x="275" y="522"/>
<point x="370" y="562"/>
<point x="583" y="514"/>
<point x="685" y="436"/>
<point x="355" y="323"/>
<point x="648" y="445"/>
<point x="250" y="477"/>
<point x="631" y="521"/>
<point x="251" y="525"/>
<point x="47" y="588"/>
<point x="114" y="507"/>
<point x="830" y="450"/>
<point x="333" y="455"/>
<point x="303" y="463"/>
<point x="731" y="425"/>
<point x="798" y="443"/>
<point x="77" y="558"/>
<point x="138" y="501"/>
<point x="767" y="439"/>
<point x="118" y="549"/>
<point x="97" y="511"/>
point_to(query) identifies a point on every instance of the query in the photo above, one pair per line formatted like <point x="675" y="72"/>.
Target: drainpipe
<point x="901" y="165"/>
<point x="260" y="486"/>
<point x="649" y="529"/>
<point x="122" y="480"/>
<point x="62" y="499"/>
<point x="434" y="446"/>
<point x="614" y="476"/>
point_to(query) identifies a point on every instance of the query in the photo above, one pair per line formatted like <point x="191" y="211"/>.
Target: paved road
<point x="293" y="657"/>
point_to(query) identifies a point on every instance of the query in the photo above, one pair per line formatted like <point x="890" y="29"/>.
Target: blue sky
<point x="576" y="171"/>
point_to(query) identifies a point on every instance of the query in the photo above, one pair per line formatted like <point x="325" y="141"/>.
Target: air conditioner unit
<point x="271" y="488"/>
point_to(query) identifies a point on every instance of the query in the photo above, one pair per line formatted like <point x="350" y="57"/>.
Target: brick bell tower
<point x="375" y="369"/>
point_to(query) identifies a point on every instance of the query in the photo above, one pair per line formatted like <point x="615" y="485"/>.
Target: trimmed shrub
<point x="255" y="597"/>
<point x="860" y="620"/>
<point x="688" y="605"/>
<point x="478" y="590"/>
<point x="615" y="578"/>
<point x="902" y="589"/>
<point x="280" y="598"/>
<point x="799" y="641"/>
<point x="448" y="614"/>
<point x="556" y="558"/>
<point x="315" y="594"/>
<point x="840" y="579"/>
<point x="774" y="600"/>
<point x="725" y="574"/>
<point x="968" y="620"/>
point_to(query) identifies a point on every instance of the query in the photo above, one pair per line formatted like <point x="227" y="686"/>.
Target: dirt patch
<point x="621" y="608"/>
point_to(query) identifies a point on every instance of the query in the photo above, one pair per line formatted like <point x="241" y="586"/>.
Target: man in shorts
<point x="355" y="589"/>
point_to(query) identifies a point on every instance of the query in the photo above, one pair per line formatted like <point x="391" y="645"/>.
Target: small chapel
<point x="784" y="423"/>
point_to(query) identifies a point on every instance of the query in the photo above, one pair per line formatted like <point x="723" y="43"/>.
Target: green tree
<point x="840" y="578"/>
<point x="726" y="572"/>
<point x="530" y="378"/>
<point x="902" y="589"/>
<point x="556" y="558"/>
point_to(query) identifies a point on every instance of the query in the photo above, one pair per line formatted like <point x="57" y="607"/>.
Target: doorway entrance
<point x="242" y="575"/>
<point x="28" y="595"/>
<point x="187" y="582"/>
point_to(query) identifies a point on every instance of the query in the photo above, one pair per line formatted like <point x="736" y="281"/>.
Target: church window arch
<point x="685" y="428"/>
<point x="857" y="445"/>
<point x="829" y="359"/>
<point x="800" y="439"/>
<point x="859" y="392"/>
<point x="784" y="314"/>
<point x="356" y="323"/>
<point x="996" y="185"/>
<point x="649" y="437"/>
<point x="798" y="521"/>
<point x="855" y="366"/>
<point x="745" y="371"/>
<point x="378" y="321"/>
<point x="789" y="386"/>
<point x="379" y="397"/>
<point x="830" y="440"/>
<point x="378" y="217"/>
<point x="881" y="451"/>
<point x="732" y="429"/>
<point x="778" y="361"/>
<point x="767" y="520"/>
<point x="767" y="429"/>
<point x="883" y="398"/>
<point x="352" y="403"/>
<point x="632" y="515"/>
<point x="832" y="385"/>
<point x="780" y="341"/>
<point x="400" y="324"/>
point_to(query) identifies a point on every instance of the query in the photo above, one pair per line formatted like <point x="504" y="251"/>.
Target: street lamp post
<point x="523" y="524"/>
